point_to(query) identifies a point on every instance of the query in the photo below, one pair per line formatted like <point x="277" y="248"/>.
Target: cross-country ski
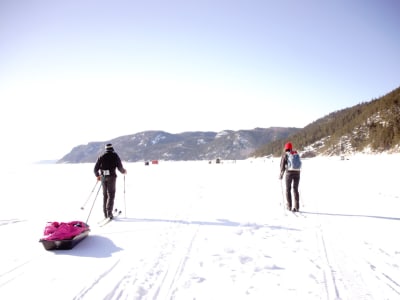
<point x="105" y="221"/>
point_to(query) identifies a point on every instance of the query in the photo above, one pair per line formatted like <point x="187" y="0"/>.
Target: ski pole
<point x="124" y="197"/>
<point x="94" y="200"/>
<point x="283" y="198"/>
<point x="87" y="200"/>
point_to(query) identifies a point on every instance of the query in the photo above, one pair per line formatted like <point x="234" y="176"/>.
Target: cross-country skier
<point x="291" y="164"/>
<point x="105" y="171"/>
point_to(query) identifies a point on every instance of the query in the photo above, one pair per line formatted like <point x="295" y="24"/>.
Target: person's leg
<point x="296" y="181"/>
<point x="105" y="196"/>
<point x="288" y="181"/>
<point x="111" y="183"/>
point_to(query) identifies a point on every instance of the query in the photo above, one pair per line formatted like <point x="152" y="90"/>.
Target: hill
<point x="161" y="145"/>
<point x="372" y="126"/>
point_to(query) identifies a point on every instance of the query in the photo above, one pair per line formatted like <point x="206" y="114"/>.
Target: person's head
<point x="288" y="146"/>
<point x="109" y="148"/>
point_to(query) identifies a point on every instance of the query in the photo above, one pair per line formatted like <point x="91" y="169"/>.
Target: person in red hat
<point x="291" y="164"/>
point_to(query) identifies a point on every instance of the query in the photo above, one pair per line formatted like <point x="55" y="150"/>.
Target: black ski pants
<point x="108" y="184"/>
<point x="292" y="181"/>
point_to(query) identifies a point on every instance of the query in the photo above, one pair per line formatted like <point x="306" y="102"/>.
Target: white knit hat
<point x="109" y="147"/>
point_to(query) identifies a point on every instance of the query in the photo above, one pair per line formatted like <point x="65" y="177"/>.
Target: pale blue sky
<point x="77" y="71"/>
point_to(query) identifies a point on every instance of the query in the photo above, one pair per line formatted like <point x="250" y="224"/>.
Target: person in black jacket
<point x="292" y="176"/>
<point x="105" y="171"/>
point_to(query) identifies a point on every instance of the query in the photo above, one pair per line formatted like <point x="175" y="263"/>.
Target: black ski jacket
<point x="108" y="161"/>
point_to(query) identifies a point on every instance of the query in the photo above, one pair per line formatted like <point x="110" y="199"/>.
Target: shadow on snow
<point x="93" y="246"/>
<point x="218" y="222"/>
<point x="350" y="215"/>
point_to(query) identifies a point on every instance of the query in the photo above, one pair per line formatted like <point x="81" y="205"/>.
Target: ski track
<point x="9" y="275"/>
<point x="95" y="283"/>
<point x="177" y="243"/>
<point x="10" y="221"/>
<point x="153" y="277"/>
<point x="349" y="272"/>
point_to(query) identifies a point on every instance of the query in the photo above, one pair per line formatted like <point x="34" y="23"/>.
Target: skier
<point x="291" y="164"/>
<point x="105" y="171"/>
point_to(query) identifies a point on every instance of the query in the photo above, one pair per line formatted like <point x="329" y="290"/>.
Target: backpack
<point x="293" y="161"/>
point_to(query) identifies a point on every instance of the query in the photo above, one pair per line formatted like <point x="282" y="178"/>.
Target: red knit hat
<point x="288" y="146"/>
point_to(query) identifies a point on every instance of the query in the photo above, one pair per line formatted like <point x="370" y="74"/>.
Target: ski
<point x="108" y="220"/>
<point x="298" y="214"/>
<point x="302" y="214"/>
<point x="289" y="212"/>
<point x="102" y="221"/>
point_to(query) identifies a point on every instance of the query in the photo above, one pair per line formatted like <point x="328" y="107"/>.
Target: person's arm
<point x="97" y="168"/>
<point x="120" y="167"/>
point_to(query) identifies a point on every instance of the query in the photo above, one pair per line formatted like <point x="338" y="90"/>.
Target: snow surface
<point x="194" y="230"/>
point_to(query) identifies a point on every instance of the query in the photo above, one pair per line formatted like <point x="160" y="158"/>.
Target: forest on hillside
<point x="374" y="124"/>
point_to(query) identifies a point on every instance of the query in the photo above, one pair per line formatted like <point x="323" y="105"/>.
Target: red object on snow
<point x="63" y="231"/>
<point x="60" y="235"/>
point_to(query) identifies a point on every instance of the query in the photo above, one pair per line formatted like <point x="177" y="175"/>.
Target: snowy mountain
<point x="367" y="127"/>
<point x="161" y="145"/>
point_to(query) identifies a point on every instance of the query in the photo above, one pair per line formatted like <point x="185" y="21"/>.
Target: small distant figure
<point x="105" y="171"/>
<point x="291" y="164"/>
